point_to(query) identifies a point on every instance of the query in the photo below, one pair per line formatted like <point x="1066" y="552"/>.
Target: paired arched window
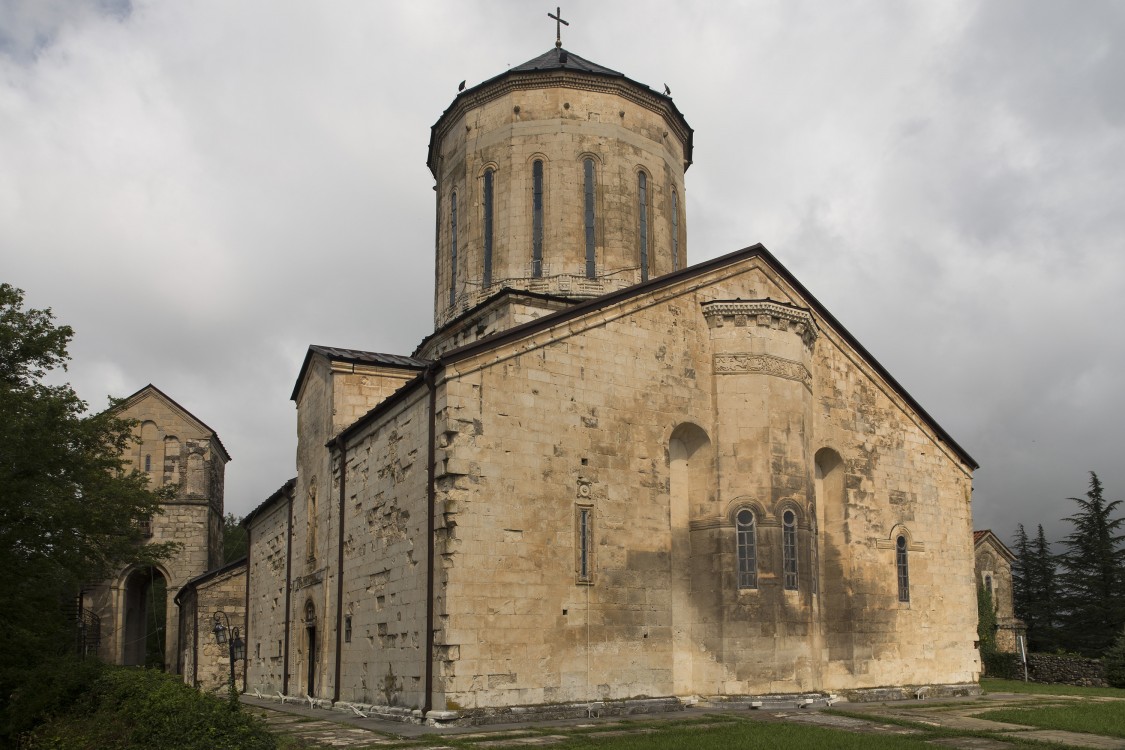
<point x="902" y="565"/>
<point x="453" y="249"/>
<point x="789" y="549"/>
<point x="747" y="549"/>
<point x="489" y="175"/>
<point x="537" y="218"/>
<point x="642" y="222"/>
<point x="588" y="216"/>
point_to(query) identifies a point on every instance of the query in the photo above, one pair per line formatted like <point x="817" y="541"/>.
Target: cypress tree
<point x="1093" y="562"/>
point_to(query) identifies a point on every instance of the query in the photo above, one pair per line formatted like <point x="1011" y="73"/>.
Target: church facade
<point x="135" y="609"/>
<point x="607" y="475"/>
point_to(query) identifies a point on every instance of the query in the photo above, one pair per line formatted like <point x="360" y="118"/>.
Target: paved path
<point x="317" y="727"/>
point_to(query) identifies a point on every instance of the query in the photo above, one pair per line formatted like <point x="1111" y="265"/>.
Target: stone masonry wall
<point x="383" y="639"/>
<point x="265" y="643"/>
<point x="583" y="417"/>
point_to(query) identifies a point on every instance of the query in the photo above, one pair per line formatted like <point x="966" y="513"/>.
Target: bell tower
<point x="558" y="177"/>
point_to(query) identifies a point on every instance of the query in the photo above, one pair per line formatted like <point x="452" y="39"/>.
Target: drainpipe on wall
<point x="288" y="588"/>
<point x="246" y="621"/>
<point x="341" y="446"/>
<point x="430" y="376"/>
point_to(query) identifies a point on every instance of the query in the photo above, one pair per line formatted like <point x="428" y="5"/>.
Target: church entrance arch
<point x="689" y="484"/>
<point x="145" y="617"/>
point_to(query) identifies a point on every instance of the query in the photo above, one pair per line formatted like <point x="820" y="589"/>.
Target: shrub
<point x="50" y="690"/>
<point x="130" y="708"/>
<point x="1114" y="661"/>
<point x="1001" y="665"/>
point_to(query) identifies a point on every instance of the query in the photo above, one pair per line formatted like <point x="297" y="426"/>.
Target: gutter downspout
<point x="288" y="589"/>
<point x="430" y="376"/>
<point x="246" y="622"/>
<point x="341" y="445"/>
<point x="195" y="639"/>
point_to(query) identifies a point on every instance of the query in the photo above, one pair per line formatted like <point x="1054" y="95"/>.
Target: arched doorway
<point x="146" y="618"/>
<point x="310" y="641"/>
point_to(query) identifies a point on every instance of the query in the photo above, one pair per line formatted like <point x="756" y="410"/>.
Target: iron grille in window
<point x="789" y="549"/>
<point x="537" y="218"/>
<point x="488" y="173"/>
<point x="903" y="570"/>
<point x="642" y="230"/>
<point x="588" y="184"/>
<point x="747" y="550"/>
<point x="585" y="543"/>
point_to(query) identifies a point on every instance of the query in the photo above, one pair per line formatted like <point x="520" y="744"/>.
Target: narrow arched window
<point x="453" y="250"/>
<point x="642" y="223"/>
<point x="148" y="462"/>
<point x="488" y="180"/>
<point x="747" y="550"/>
<point x="537" y="218"/>
<point x="589" y="218"/>
<point x="903" y="570"/>
<point x="789" y="549"/>
<point x="675" y="232"/>
<point x="988" y="584"/>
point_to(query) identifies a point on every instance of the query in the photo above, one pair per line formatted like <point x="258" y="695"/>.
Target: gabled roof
<point x="205" y="577"/>
<point x="151" y="389"/>
<point x="355" y="357"/>
<point x="759" y="251"/>
<point x="986" y="535"/>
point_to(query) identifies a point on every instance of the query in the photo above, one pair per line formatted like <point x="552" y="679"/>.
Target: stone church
<point x="133" y="612"/>
<point x="608" y="475"/>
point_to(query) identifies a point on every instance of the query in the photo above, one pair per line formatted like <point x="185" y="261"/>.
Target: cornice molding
<point x="764" y="313"/>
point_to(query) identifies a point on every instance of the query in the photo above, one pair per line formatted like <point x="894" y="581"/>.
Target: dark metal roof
<point x="281" y="492"/>
<point x="203" y="578"/>
<point x="355" y="357"/>
<point x="559" y="62"/>
<point x="758" y="250"/>
<point x="557" y="58"/>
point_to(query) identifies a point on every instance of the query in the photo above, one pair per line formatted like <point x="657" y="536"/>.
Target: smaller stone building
<point x="175" y="449"/>
<point x="221" y="594"/>
<point x="994" y="572"/>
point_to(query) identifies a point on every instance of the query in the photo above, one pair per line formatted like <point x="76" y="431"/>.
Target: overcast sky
<point x="204" y="189"/>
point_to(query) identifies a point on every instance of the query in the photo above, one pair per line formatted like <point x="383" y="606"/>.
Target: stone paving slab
<point x="1074" y="739"/>
<point x="971" y="743"/>
<point x="541" y="739"/>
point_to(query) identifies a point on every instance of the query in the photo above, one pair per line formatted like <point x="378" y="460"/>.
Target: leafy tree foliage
<point x="1093" y="573"/>
<point x="235" y="541"/>
<point x="69" y="508"/>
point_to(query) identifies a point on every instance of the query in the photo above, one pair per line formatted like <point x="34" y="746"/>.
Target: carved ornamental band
<point x="765" y="364"/>
<point x="766" y="313"/>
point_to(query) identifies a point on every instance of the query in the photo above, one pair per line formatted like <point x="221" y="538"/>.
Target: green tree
<point x="69" y="508"/>
<point x="1115" y="662"/>
<point x="235" y="541"/>
<point x="1035" y="590"/>
<point x="1093" y="574"/>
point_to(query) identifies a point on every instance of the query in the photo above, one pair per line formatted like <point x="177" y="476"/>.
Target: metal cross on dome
<point x="559" y="23"/>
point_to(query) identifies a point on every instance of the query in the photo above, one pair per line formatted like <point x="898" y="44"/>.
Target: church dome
<point x="558" y="176"/>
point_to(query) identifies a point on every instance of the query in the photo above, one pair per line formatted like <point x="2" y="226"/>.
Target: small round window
<point x="745" y="517"/>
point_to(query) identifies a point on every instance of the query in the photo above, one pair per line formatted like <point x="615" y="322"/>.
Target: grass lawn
<point x="1019" y="686"/>
<point x="1098" y="718"/>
